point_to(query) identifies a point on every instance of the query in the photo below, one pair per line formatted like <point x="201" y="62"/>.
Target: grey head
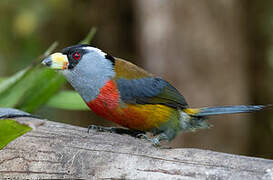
<point x="86" y="68"/>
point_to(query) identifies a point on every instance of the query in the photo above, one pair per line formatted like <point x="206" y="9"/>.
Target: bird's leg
<point x="156" y="140"/>
<point x="117" y="130"/>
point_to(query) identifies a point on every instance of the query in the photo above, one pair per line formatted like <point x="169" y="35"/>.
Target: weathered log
<point x="55" y="150"/>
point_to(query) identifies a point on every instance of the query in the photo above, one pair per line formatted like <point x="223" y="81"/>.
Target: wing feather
<point x="150" y="90"/>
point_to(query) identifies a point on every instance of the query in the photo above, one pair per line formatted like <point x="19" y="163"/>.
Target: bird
<point x="131" y="97"/>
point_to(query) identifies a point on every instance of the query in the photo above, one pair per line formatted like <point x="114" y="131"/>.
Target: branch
<point x="55" y="150"/>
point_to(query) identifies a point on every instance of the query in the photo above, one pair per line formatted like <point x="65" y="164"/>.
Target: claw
<point x="155" y="141"/>
<point x="91" y="127"/>
<point x="142" y="136"/>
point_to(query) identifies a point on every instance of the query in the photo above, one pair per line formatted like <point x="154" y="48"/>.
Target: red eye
<point x="77" y="56"/>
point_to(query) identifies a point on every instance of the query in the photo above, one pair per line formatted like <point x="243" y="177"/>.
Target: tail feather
<point x="209" y="111"/>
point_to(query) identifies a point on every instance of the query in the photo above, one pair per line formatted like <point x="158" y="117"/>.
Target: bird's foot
<point x="155" y="141"/>
<point x="142" y="136"/>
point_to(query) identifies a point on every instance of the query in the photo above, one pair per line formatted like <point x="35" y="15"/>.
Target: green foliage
<point x="68" y="100"/>
<point x="22" y="89"/>
<point x="10" y="130"/>
<point x="14" y="87"/>
<point x="33" y="86"/>
<point x="43" y="84"/>
<point x="6" y="83"/>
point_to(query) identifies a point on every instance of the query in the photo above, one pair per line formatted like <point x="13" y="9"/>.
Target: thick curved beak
<point x="56" y="61"/>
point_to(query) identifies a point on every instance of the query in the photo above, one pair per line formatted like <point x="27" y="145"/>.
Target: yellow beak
<point x="56" y="61"/>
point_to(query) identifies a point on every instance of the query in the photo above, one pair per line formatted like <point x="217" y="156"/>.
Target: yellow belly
<point x="143" y="117"/>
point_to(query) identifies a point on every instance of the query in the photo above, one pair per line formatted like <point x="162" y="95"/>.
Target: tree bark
<point x="55" y="150"/>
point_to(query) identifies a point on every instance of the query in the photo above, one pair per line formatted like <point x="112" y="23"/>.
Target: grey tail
<point x="209" y="111"/>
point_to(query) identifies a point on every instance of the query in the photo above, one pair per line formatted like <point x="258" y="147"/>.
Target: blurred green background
<point x="215" y="52"/>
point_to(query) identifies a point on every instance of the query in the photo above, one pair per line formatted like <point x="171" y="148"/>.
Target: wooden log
<point x="55" y="150"/>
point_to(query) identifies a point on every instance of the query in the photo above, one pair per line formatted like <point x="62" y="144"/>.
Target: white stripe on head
<point x="100" y="52"/>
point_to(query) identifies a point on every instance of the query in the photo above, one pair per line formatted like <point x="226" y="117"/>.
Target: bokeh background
<point x="216" y="52"/>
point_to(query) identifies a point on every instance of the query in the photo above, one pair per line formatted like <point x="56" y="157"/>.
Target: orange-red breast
<point x="126" y="94"/>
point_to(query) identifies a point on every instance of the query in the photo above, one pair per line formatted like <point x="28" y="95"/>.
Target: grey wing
<point x="150" y="91"/>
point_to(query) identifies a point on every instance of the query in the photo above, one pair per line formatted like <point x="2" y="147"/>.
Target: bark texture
<point x="54" y="150"/>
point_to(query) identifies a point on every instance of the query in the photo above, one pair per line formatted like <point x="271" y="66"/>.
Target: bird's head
<point x="71" y="56"/>
<point x="85" y="67"/>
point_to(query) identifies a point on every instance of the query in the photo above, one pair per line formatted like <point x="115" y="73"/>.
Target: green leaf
<point x="44" y="86"/>
<point x="30" y="87"/>
<point x="68" y="100"/>
<point x="10" y="130"/>
<point x="16" y="87"/>
<point x="8" y="82"/>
